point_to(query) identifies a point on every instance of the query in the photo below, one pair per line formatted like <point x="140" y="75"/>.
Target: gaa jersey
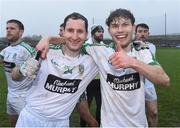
<point x="122" y="90"/>
<point x="15" y="55"/>
<point x="152" y="48"/>
<point x="59" y="83"/>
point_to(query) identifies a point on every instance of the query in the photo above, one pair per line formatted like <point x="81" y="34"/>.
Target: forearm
<point x="56" y="40"/>
<point x="154" y="73"/>
<point x="86" y="115"/>
<point x="43" y="44"/>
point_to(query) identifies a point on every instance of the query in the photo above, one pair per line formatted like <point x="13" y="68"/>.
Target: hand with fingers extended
<point x="120" y="59"/>
<point x="43" y="44"/>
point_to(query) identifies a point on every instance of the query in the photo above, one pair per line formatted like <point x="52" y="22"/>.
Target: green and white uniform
<point x="54" y="93"/>
<point x="15" y="55"/>
<point x="150" y="91"/>
<point x="122" y="90"/>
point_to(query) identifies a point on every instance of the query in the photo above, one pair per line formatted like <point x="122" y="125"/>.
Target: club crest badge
<point x="81" y="68"/>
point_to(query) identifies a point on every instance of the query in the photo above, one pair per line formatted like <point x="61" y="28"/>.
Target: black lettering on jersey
<point x="61" y="86"/>
<point x="126" y="82"/>
<point x="8" y="66"/>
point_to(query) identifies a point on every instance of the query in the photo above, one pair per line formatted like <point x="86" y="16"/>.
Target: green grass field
<point x="168" y="98"/>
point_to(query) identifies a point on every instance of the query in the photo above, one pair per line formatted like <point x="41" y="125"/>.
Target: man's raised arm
<point x="43" y="44"/>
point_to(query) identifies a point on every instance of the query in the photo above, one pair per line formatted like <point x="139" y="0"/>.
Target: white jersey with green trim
<point x="15" y="55"/>
<point x="152" y="48"/>
<point x="122" y="90"/>
<point x="59" y="83"/>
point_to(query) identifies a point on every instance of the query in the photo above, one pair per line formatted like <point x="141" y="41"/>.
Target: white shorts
<point x="27" y="119"/>
<point x="150" y="94"/>
<point x="15" y="104"/>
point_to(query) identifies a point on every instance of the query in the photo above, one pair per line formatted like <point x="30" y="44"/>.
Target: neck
<point x="16" y="42"/>
<point x="126" y="48"/>
<point x="69" y="52"/>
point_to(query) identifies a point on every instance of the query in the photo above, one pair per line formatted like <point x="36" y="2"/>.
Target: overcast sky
<point x="43" y="17"/>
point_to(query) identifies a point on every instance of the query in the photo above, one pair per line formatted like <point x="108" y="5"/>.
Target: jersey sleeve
<point x="148" y="57"/>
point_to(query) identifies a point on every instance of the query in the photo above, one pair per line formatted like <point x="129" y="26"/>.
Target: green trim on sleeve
<point x="31" y="50"/>
<point x="155" y="62"/>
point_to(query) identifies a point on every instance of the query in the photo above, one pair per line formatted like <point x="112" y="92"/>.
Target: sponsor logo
<point x="8" y="66"/>
<point x="61" y="86"/>
<point x="126" y="82"/>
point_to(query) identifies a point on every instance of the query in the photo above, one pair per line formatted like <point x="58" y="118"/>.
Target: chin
<point x="75" y="48"/>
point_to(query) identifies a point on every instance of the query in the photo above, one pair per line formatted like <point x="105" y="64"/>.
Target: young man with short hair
<point x="61" y="79"/>
<point x="123" y="68"/>
<point x="13" y="56"/>
<point x="82" y="104"/>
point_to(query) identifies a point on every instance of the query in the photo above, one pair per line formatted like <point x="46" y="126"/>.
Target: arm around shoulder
<point x="43" y="44"/>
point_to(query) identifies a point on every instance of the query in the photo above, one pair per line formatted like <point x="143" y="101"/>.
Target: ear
<point x="21" y="33"/>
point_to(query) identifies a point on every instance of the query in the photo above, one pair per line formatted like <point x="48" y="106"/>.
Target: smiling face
<point x="74" y="34"/>
<point x="121" y="30"/>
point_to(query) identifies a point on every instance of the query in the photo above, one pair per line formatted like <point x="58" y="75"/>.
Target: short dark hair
<point x="143" y="25"/>
<point x="124" y="13"/>
<point x="19" y="23"/>
<point x="62" y="25"/>
<point x="76" y="16"/>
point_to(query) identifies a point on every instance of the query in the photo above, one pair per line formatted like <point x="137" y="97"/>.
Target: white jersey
<point x="15" y="55"/>
<point x="122" y="90"/>
<point x="152" y="48"/>
<point x="59" y="83"/>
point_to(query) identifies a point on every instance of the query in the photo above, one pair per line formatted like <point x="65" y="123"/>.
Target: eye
<point x="70" y="30"/>
<point x="80" y="31"/>
<point x="114" y="26"/>
<point x="139" y="31"/>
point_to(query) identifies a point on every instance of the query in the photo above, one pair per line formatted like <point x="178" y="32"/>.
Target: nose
<point x="120" y="28"/>
<point x="75" y="36"/>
